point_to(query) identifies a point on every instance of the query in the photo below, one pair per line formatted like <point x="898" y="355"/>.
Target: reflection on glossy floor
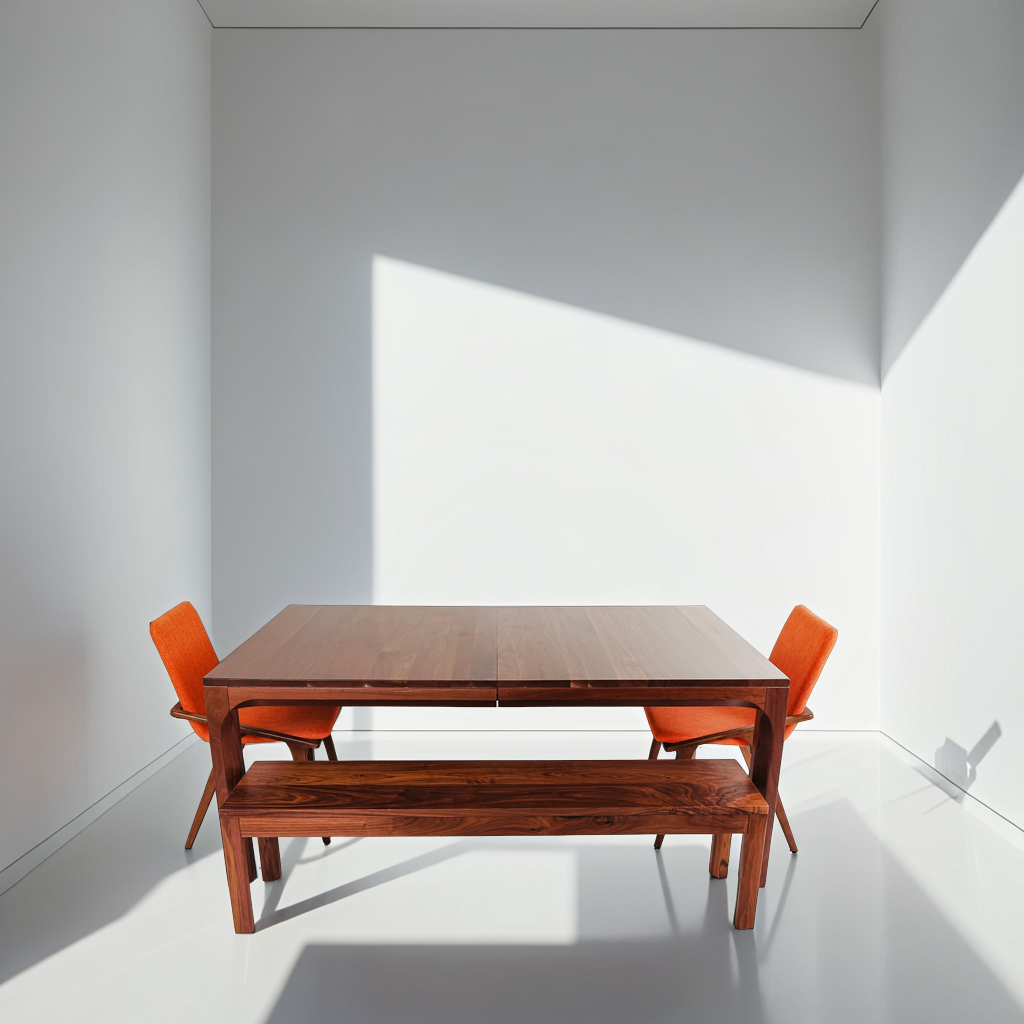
<point x="901" y="907"/>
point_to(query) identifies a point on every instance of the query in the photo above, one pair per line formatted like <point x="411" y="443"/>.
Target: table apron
<point x="247" y="695"/>
<point x="739" y="695"/>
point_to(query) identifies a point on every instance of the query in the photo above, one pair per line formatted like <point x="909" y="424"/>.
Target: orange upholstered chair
<point x="801" y="651"/>
<point x="188" y="656"/>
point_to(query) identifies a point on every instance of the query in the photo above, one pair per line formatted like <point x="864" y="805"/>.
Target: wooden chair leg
<point x="300" y="752"/>
<point x="655" y="750"/>
<point x="682" y="754"/>
<point x="780" y="811"/>
<point x="332" y="754"/>
<point x="204" y="805"/>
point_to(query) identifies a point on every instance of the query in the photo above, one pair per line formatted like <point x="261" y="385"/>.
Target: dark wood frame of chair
<point x="301" y="750"/>
<point x="687" y="749"/>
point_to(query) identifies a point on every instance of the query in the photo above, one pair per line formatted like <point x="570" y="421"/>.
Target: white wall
<point x="527" y="452"/>
<point x="953" y="508"/>
<point x="104" y="389"/>
<point x="953" y="131"/>
<point x="952" y="401"/>
<point x="631" y="192"/>
<point x="720" y="186"/>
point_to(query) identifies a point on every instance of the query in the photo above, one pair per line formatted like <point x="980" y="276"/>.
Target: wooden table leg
<point x="766" y="758"/>
<point x="228" y="769"/>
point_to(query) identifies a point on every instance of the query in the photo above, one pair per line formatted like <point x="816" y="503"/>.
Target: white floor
<point x="902" y="906"/>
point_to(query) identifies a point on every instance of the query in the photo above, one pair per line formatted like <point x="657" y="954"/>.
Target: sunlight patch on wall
<point x="528" y="452"/>
<point x="953" y="553"/>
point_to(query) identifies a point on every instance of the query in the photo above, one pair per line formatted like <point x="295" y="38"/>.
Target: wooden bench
<point x="500" y="798"/>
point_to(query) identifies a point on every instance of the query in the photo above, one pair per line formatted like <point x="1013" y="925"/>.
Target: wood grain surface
<point x="493" y="797"/>
<point x="752" y="851"/>
<point x="375" y="655"/>
<point x="415" y="654"/>
<point x="622" y="655"/>
<point x="532" y="655"/>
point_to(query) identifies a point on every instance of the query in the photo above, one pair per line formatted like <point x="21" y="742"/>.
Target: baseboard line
<point x="1004" y="826"/>
<point x="18" y="869"/>
<point x="511" y="732"/>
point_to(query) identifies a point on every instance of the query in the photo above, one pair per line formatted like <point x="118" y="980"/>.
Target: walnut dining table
<point x="558" y="656"/>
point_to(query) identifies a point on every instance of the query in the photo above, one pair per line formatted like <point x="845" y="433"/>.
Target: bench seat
<point x="490" y="798"/>
<point x="500" y="798"/>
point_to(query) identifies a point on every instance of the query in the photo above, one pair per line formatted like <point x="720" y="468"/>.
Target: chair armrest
<point x="179" y="712"/>
<point x="746" y="734"/>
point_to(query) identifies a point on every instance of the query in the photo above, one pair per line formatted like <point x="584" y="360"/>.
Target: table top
<point x="509" y="655"/>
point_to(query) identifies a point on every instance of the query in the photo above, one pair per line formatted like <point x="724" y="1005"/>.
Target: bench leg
<point x="721" y="843"/>
<point x="236" y="865"/>
<point x="751" y="852"/>
<point x="270" y="858"/>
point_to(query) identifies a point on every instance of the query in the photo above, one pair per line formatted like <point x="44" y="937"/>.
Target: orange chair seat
<point x="801" y="651"/>
<point x="677" y="725"/>
<point x="188" y="656"/>
<point x="310" y="722"/>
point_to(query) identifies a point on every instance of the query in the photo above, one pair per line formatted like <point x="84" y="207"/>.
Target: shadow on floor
<point x="612" y="983"/>
<point x="108" y="867"/>
<point x="844" y="934"/>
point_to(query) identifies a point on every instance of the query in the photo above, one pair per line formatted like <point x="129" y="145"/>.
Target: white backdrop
<point x="527" y="452"/>
<point x="953" y="517"/>
<point x="104" y="391"/>
<point x="719" y="185"/>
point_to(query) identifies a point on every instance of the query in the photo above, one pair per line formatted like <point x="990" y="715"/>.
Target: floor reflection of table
<point x="482" y="657"/>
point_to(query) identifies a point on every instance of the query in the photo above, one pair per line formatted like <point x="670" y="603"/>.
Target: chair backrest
<point x="187" y="654"/>
<point x="801" y="651"/>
